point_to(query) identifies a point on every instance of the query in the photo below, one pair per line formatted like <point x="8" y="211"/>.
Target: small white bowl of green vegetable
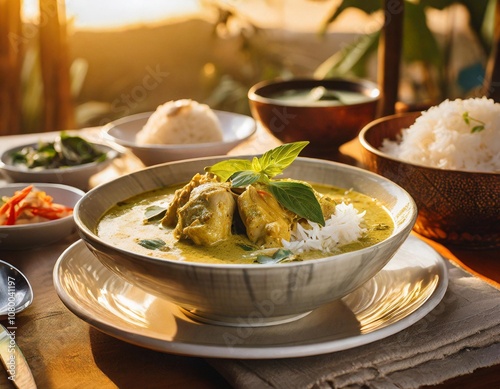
<point x="68" y="159"/>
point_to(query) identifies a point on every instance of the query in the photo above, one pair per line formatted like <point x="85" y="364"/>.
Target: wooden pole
<point x="11" y="54"/>
<point x="492" y="80"/>
<point x="389" y="55"/>
<point x="58" y="105"/>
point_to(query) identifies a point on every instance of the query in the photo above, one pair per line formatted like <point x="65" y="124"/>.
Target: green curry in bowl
<point x="238" y="213"/>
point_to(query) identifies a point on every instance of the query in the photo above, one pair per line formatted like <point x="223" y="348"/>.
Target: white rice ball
<point x="456" y="135"/>
<point x="181" y="122"/>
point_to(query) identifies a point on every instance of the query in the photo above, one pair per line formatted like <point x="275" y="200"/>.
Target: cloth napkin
<point x="459" y="336"/>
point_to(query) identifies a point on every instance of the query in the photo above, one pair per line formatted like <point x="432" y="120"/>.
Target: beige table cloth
<point x="460" y="335"/>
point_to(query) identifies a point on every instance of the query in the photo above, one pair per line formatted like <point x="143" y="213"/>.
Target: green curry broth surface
<point x="123" y="225"/>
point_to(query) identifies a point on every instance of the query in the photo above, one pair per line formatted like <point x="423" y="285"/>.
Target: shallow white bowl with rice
<point x="235" y="128"/>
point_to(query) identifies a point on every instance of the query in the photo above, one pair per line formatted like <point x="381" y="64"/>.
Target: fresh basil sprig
<point x="295" y="196"/>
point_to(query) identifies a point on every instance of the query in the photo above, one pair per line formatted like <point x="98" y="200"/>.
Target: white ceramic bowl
<point x="235" y="128"/>
<point x="77" y="176"/>
<point x="27" y="236"/>
<point x="247" y="294"/>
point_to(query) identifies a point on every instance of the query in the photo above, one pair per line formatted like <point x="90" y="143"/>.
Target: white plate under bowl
<point x="235" y="129"/>
<point x="406" y="290"/>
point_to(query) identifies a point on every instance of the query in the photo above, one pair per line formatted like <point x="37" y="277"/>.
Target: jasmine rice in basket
<point x="455" y="135"/>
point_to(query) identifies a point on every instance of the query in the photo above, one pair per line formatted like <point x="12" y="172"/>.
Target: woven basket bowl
<point x="457" y="208"/>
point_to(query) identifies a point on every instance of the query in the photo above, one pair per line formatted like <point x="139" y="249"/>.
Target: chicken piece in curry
<point x="202" y="211"/>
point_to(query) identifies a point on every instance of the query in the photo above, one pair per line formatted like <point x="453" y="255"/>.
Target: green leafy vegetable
<point x="294" y="196"/>
<point x="65" y="151"/>
<point x="469" y="119"/>
<point x="153" y="244"/>
<point x="281" y="255"/>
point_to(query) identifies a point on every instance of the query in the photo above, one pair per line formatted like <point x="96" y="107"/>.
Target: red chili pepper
<point x="263" y="193"/>
<point x="50" y="213"/>
<point x="11" y="219"/>
<point x="18" y="196"/>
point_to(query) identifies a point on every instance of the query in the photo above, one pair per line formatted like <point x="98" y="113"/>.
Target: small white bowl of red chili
<point x="33" y="215"/>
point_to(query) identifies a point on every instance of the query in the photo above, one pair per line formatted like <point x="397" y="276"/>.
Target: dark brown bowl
<point x="326" y="125"/>
<point x="458" y="208"/>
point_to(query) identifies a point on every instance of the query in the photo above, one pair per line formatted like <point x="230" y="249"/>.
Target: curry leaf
<point x="298" y="198"/>
<point x="274" y="161"/>
<point x="227" y="168"/>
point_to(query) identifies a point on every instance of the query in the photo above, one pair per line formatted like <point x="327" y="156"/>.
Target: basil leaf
<point x="274" y="161"/>
<point x="477" y="129"/>
<point x="279" y="256"/>
<point x="244" y="178"/>
<point x="256" y="164"/>
<point x="153" y="244"/>
<point x="153" y="213"/>
<point x="246" y="247"/>
<point x="298" y="198"/>
<point x="227" y="168"/>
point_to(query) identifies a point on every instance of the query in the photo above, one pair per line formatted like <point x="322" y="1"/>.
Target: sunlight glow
<point x="116" y="13"/>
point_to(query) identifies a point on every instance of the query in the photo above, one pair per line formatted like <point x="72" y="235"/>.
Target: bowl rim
<point x="111" y="154"/>
<point x="178" y="147"/>
<point x="45" y="186"/>
<point x="372" y="149"/>
<point x="254" y="93"/>
<point x="90" y="236"/>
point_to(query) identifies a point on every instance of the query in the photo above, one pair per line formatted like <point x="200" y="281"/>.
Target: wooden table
<point x="65" y="352"/>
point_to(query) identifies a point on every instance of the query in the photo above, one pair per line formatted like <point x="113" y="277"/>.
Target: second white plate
<point x="408" y="288"/>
